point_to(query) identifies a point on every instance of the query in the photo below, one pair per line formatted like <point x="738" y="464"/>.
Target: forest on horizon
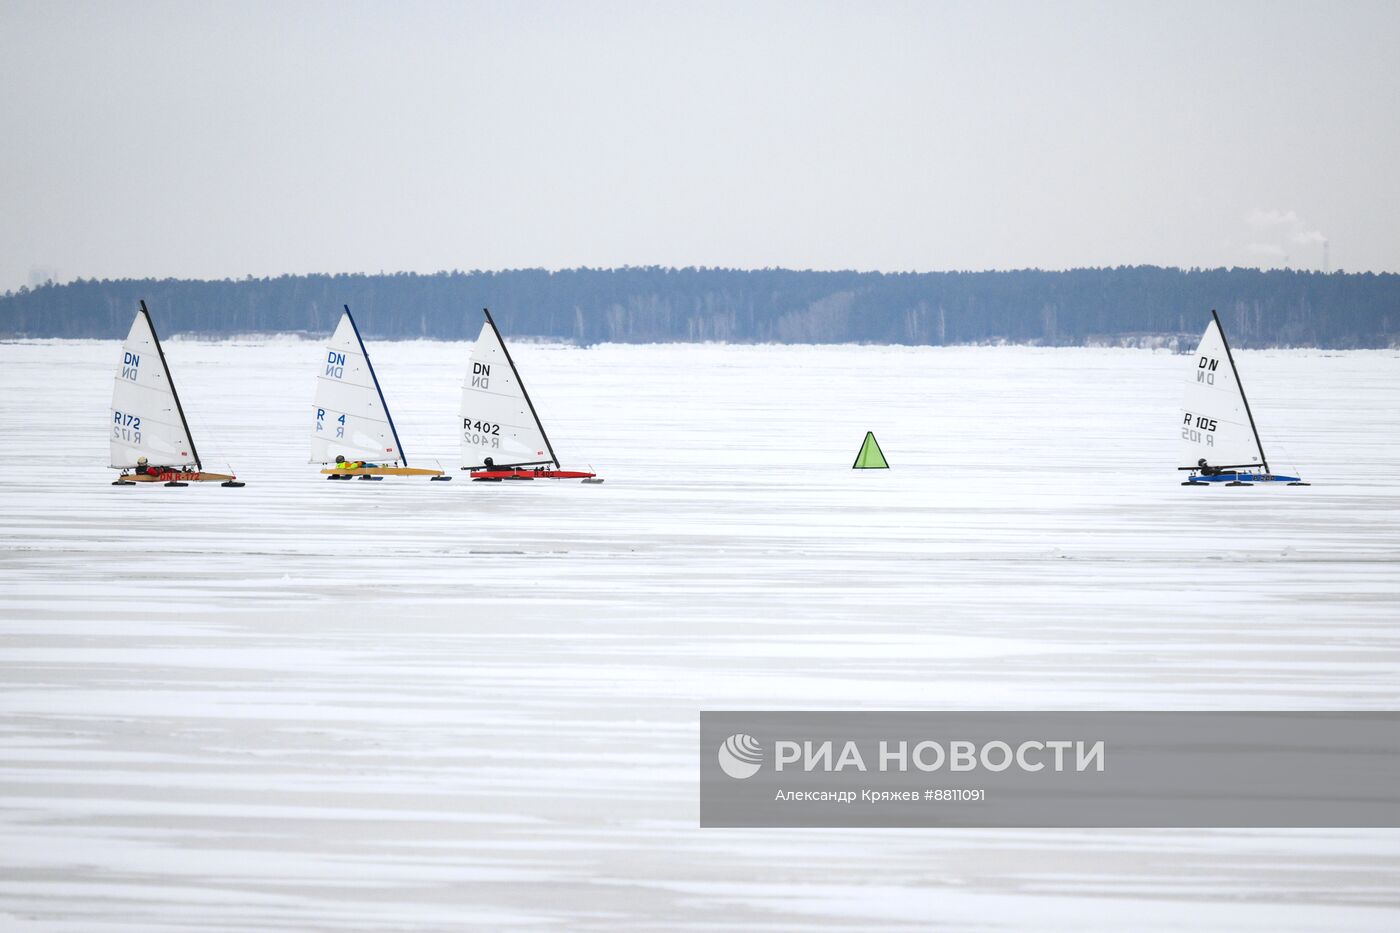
<point x="1129" y="305"/>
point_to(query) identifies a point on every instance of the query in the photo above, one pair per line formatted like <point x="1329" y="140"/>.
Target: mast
<point x="1258" y="444"/>
<point x="398" y="444"/>
<point x="176" y="395"/>
<point x="521" y="382"/>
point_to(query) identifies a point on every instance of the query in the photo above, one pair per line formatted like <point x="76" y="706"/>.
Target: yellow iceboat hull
<point x="383" y="471"/>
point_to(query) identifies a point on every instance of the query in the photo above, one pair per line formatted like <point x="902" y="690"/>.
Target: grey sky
<point x="214" y="140"/>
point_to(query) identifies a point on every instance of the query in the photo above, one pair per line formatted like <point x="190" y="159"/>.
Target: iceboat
<point x="352" y="432"/>
<point x="502" y="436"/>
<point x="150" y="438"/>
<point x="1219" y="439"/>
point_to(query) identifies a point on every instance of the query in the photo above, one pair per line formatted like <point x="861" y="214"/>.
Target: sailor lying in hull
<point x="143" y="467"/>
<point x="1208" y="470"/>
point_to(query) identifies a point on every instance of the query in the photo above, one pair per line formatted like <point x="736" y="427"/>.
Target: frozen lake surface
<point x="409" y="705"/>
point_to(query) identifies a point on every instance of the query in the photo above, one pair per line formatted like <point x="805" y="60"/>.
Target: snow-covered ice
<point x="411" y="705"/>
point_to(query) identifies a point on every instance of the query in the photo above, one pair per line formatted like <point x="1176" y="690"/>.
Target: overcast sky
<point x="222" y="140"/>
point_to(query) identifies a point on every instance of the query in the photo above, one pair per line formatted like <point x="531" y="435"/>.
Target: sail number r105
<point x="1193" y="425"/>
<point x="1201" y="421"/>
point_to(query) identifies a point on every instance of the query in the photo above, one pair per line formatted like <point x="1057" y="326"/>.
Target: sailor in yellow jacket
<point x="342" y="464"/>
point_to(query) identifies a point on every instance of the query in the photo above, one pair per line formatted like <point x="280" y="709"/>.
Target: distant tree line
<point x="1124" y="305"/>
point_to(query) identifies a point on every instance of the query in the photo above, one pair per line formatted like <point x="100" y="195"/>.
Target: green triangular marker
<point x="870" y="456"/>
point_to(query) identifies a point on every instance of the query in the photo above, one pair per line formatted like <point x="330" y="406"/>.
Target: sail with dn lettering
<point x="352" y="431"/>
<point x="148" y="434"/>
<point x="501" y="433"/>
<point x="1219" y="440"/>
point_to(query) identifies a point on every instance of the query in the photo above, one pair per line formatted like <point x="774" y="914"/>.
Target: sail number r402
<point x="481" y="433"/>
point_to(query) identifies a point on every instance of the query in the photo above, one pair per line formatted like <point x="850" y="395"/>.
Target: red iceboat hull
<point x="496" y="475"/>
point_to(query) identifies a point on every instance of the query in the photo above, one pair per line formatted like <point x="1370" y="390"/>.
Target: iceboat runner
<point x="1219" y="440"/>
<point x="502" y="437"/>
<point x="150" y="438"/>
<point x="352" y="432"/>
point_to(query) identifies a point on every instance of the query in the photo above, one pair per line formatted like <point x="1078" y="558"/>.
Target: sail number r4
<point x="321" y="423"/>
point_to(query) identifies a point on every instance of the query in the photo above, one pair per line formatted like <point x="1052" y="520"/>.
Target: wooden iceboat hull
<point x="179" y="476"/>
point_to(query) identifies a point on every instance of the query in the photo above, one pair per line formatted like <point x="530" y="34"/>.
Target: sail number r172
<point x="126" y="427"/>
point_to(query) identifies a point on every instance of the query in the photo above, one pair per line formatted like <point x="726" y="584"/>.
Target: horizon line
<point x="561" y="270"/>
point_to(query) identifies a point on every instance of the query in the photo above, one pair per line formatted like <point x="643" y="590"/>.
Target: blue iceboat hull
<point x="1247" y="478"/>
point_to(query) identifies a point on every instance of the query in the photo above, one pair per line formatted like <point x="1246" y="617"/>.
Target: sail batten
<point x="350" y="418"/>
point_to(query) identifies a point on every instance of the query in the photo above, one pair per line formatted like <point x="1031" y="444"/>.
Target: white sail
<point x="146" y="420"/>
<point x="1215" y="424"/>
<point x="496" y="418"/>
<point x="349" y="418"/>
